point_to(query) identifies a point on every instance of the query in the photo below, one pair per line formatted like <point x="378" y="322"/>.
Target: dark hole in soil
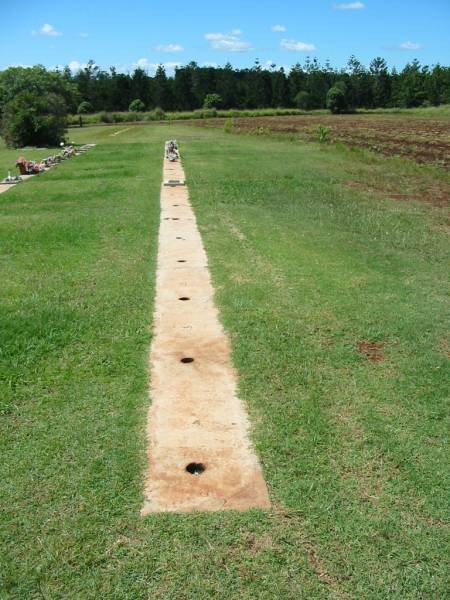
<point x="181" y="260"/>
<point x="195" y="468"/>
<point x="175" y="219"/>
<point x="184" y="298"/>
<point x="175" y="205"/>
<point x="178" y="238"/>
<point x="187" y="359"/>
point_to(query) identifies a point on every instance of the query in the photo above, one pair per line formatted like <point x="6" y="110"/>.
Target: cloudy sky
<point x="146" y="32"/>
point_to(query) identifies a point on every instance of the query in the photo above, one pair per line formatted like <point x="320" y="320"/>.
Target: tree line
<point x="34" y="101"/>
<point x="305" y="86"/>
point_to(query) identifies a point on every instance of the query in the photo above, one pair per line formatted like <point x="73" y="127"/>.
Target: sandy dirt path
<point x="199" y="455"/>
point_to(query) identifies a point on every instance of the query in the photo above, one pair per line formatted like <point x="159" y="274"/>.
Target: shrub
<point x="133" y="116"/>
<point x="137" y="106"/>
<point x="118" y="117"/>
<point x="303" y="100"/>
<point x="212" y="101"/>
<point x="159" y="113"/>
<point x="85" y="108"/>
<point x="32" y="119"/>
<point x="106" y="117"/>
<point x="73" y="120"/>
<point x="205" y="113"/>
<point x="37" y="80"/>
<point x="229" y="125"/>
<point x="336" y="100"/>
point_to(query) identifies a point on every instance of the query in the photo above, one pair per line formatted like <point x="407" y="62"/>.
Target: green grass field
<point x="306" y="270"/>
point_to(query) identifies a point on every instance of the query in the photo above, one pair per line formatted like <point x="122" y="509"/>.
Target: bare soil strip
<point x="199" y="456"/>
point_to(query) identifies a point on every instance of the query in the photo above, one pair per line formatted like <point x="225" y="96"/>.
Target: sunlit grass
<point x="305" y="269"/>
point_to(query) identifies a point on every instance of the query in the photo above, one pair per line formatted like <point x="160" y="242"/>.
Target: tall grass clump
<point x="322" y="132"/>
<point x="229" y="126"/>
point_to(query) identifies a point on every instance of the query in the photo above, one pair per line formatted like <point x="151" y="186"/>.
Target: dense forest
<point x="35" y="99"/>
<point x="305" y="86"/>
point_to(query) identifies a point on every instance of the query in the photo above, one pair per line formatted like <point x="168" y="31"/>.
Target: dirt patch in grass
<point x="437" y="193"/>
<point x="445" y="346"/>
<point x="437" y="522"/>
<point x="237" y="232"/>
<point x="257" y="544"/>
<point x="423" y="140"/>
<point x="372" y="350"/>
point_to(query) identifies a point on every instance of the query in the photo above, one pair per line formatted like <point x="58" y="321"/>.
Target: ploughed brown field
<point x="423" y="140"/>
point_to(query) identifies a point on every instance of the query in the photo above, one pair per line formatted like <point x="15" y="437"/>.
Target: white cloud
<point x="170" y="66"/>
<point x="296" y="46"/>
<point x="410" y="46"/>
<point x="47" y="29"/>
<point x="215" y="36"/>
<point x="270" y="64"/>
<point x="228" y="41"/>
<point x="123" y="68"/>
<point x="14" y="65"/>
<point x="144" y="63"/>
<point x="75" y="65"/>
<point x="84" y="35"/>
<point x="349" y="6"/>
<point x="210" y="64"/>
<point x="278" y="28"/>
<point x="169" y="48"/>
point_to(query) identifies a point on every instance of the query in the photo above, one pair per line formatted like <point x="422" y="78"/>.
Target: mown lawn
<point x="307" y="270"/>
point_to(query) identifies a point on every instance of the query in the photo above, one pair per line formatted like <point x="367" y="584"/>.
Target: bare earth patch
<point x="199" y="455"/>
<point x="372" y="350"/>
<point x="437" y="194"/>
<point x="423" y="140"/>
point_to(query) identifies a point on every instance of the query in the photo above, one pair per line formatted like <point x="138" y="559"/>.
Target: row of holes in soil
<point x="193" y="468"/>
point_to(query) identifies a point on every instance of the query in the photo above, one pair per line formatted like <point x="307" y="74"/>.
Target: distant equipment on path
<point x="172" y="152"/>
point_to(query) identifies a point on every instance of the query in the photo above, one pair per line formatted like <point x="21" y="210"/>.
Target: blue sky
<point x="146" y="32"/>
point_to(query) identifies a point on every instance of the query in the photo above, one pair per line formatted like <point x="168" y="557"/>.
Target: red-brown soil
<point x="423" y="140"/>
<point x="372" y="350"/>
